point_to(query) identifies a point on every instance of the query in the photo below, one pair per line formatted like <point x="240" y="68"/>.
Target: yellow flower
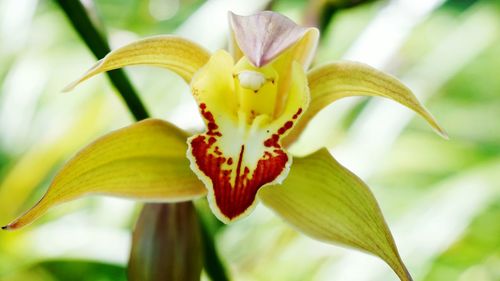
<point x="255" y="102"/>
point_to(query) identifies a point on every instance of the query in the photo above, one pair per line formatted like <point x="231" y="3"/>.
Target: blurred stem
<point x="79" y="18"/>
<point x="320" y="12"/>
<point x="213" y="265"/>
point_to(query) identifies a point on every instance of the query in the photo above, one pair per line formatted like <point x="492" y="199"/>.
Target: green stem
<point x="80" y="20"/>
<point x="213" y="265"/>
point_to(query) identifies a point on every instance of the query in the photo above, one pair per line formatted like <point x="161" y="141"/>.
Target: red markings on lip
<point x="273" y="140"/>
<point x="211" y="125"/>
<point x="297" y="114"/>
<point x="234" y="199"/>
<point x="234" y="185"/>
<point x="285" y="127"/>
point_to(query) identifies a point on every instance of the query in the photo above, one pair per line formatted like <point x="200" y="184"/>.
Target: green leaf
<point x="145" y="161"/>
<point x="166" y="244"/>
<point x="326" y="201"/>
<point x="83" y="270"/>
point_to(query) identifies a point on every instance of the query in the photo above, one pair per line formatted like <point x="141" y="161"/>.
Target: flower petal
<point x="344" y="79"/>
<point x="241" y="150"/>
<point x="144" y="161"/>
<point x="174" y="53"/>
<point x="265" y="35"/>
<point x="326" y="201"/>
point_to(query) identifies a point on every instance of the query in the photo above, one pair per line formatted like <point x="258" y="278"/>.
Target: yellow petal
<point x="214" y="84"/>
<point x="144" y="161"/>
<point x="174" y="53"/>
<point x="241" y="151"/>
<point x="30" y="170"/>
<point x="344" y="79"/>
<point x="324" y="200"/>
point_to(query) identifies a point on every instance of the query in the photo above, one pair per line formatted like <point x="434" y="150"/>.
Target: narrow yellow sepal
<point x="174" y="53"/>
<point x="345" y="79"/>
<point x="144" y="161"/>
<point x="326" y="201"/>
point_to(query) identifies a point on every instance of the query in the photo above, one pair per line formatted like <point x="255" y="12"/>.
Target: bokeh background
<point x="440" y="197"/>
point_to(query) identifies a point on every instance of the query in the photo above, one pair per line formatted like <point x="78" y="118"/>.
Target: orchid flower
<point x="256" y="101"/>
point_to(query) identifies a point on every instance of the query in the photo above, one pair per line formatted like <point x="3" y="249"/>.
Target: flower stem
<point x="213" y="265"/>
<point x="80" y="20"/>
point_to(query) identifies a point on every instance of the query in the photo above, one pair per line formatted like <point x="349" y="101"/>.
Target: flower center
<point x="256" y="91"/>
<point x="252" y="80"/>
<point x="246" y="116"/>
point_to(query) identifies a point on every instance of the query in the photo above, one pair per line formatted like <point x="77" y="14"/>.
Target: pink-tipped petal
<point x="263" y="36"/>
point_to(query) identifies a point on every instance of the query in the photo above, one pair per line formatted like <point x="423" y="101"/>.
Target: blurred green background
<point x="441" y="198"/>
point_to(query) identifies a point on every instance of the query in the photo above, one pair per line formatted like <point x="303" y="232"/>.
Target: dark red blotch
<point x="231" y="200"/>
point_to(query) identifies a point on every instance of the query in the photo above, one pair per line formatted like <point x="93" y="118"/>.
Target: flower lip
<point x="240" y="151"/>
